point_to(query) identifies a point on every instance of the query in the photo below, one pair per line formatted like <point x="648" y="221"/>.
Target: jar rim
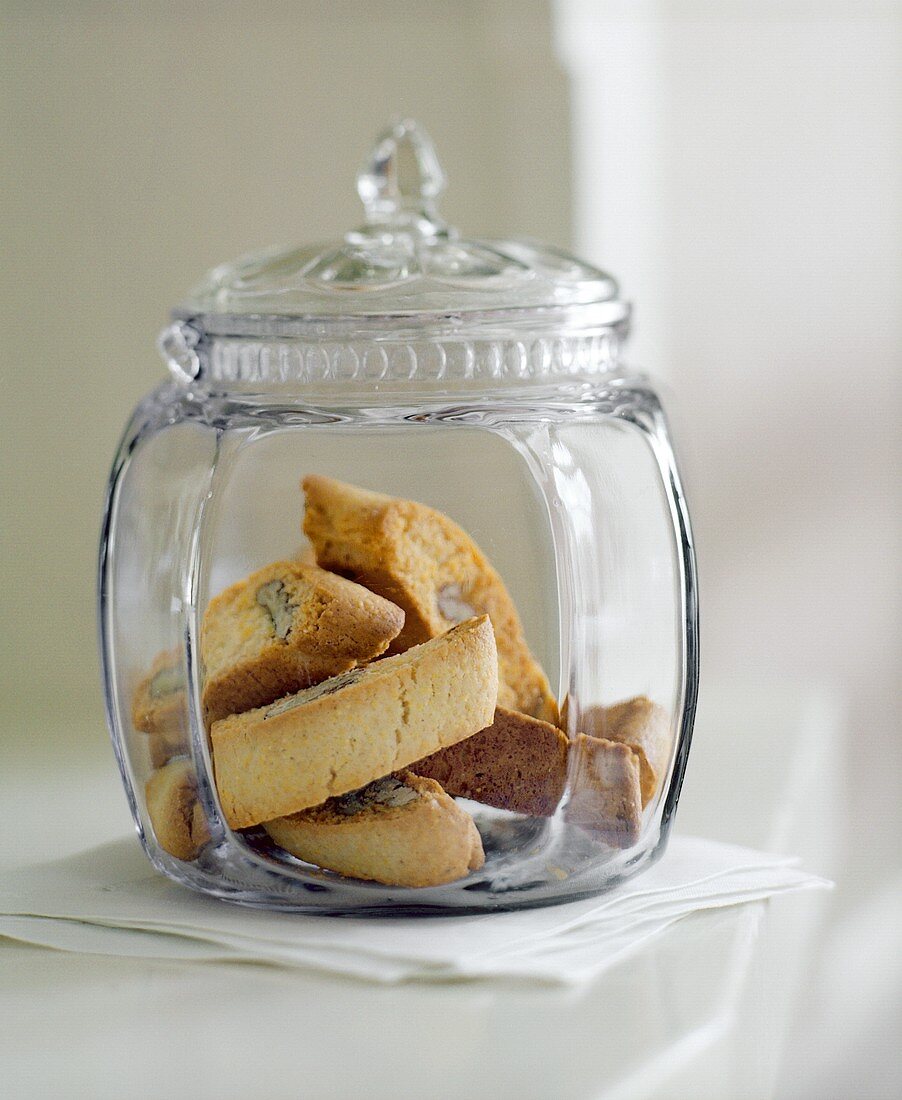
<point x="510" y="321"/>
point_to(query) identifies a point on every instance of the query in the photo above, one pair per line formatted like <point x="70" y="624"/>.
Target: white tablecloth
<point x="700" y="1011"/>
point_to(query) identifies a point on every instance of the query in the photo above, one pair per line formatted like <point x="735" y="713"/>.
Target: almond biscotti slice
<point x="158" y="701"/>
<point x="517" y="763"/>
<point x="642" y="726"/>
<point x="284" y="628"/>
<point x="421" y="560"/>
<point x="605" y="794"/>
<point x="176" y="815"/>
<point x="357" y="727"/>
<point x="159" y="708"/>
<point x="401" y="830"/>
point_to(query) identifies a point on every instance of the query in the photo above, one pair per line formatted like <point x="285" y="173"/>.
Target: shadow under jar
<point x="397" y="588"/>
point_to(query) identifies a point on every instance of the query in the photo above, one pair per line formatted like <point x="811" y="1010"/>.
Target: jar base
<point x="530" y="863"/>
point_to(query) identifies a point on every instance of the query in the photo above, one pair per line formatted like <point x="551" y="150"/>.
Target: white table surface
<point x="701" y="1012"/>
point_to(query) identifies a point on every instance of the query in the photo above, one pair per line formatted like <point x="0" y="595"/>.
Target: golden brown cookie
<point x="160" y="708"/>
<point x="605" y="793"/>
<point x="159" y="699"/>
<point x="642" y="726"/>
<point x="284" y="628"/>
<point x="517" y="763"/>
<point x="400" y="830"/>
<point x="421" y="560"/>
<point x="357" y="727"/>
<point x="176" y="815"/>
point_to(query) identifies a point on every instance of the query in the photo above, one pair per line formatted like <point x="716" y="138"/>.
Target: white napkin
<point x="109" y="900"/>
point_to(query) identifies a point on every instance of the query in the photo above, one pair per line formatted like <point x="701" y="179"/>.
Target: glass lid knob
<point x="401" y="180"/>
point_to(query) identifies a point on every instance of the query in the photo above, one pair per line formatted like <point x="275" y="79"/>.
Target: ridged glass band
<point x="499" y="346"/>
<point x="460" y="361"/>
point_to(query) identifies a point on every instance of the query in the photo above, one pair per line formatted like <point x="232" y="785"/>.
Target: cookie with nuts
<point x="517" y="763"/>
<point x="641" y="725"/>
<point x="347" y="731"/>
<point x="401" y="830"/>
<point x="284" y="628"/>
<point x="176" y="815"/>
<point x="159" y="708"/>
<point x="606" y="796"/>
<point x="421" y="560"/>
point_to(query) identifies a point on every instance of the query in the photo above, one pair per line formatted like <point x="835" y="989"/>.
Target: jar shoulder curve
<point x="626" y="396"/>
<point x="163" y="407"/>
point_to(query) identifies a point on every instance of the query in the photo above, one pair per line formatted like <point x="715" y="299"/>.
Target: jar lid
<point x="404" y="260"/>
<point x="402" y="297"/>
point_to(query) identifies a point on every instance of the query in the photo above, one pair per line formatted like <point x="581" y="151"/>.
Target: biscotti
<point x="605" y="795"/>
<point x="345" y="732"/>
<point x="642" y="726"/>
<point x="158" y="702"/>
<point x="176" y="815"/>
<point x="518" y="763"/>
<point x="284" y="628"/>
<point x="425" y="563"/>
<point x="401" y="830"/>
<point x="160" y="708"/>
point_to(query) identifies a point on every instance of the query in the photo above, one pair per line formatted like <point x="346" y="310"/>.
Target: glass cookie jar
<point x="397" y="587"/>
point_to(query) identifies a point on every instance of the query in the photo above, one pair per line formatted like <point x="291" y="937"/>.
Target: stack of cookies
<point x="350" y="698"/>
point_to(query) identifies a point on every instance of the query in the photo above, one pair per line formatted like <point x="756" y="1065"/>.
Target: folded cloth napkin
<point x="109" y="900"/>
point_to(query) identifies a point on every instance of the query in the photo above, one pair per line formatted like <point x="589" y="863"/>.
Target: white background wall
<point x="765" y="149"/>
<point x="738" y="165"/>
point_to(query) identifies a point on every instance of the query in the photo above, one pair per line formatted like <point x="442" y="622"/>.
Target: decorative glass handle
<point x="176" y="344"/>
<point x="401" y="180"/>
